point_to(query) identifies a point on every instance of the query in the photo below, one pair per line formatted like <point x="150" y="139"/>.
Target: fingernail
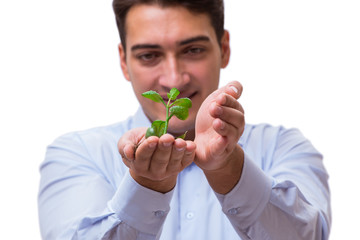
<point x="166" y="144"/>
<point x="222" y="126"/>
<point x="234" y="89"/>
<point x="125" y="153"/>
<point x="180" y="149"/>
<point x="219" y="110"/>
<point x="152" y="145"/>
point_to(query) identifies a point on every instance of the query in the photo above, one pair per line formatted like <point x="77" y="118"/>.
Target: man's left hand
<point x="219" y="125"/>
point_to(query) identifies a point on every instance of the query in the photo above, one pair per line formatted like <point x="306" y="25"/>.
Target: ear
<point x="123" y="64"/>
<point x="225" y="49"/>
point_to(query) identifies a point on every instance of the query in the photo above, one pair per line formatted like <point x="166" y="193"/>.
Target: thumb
<point x="234" y="89"/>
<point x="129" y="141"/>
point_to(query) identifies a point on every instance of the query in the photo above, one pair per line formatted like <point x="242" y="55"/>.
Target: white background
<point x="299" y="63"/>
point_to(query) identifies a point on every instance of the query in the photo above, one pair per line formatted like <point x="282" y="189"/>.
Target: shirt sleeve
<point x="76" y="200"/>
<point x="286" y="199"/>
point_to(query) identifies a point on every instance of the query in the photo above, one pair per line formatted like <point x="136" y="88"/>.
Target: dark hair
<point x="213" y="8"/>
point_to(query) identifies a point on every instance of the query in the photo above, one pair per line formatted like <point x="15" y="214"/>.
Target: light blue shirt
<point x="86" y="192"/>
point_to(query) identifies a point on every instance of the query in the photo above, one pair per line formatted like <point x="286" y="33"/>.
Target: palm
<point x="210" y="145"/>
<point x="217" y="133"/>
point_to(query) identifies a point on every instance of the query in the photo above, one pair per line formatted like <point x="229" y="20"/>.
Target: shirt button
<point x="233" y="211"/>
<point x="190" y="215"/>
<point x="159" y="213"/>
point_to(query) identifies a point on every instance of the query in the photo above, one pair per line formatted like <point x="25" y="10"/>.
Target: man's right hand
<point x="155" y="162"/>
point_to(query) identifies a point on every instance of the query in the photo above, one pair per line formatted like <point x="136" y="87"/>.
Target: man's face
<point x="172" y="47"/>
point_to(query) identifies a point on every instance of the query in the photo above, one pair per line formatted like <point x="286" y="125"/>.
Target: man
<point x="226" y="180"/>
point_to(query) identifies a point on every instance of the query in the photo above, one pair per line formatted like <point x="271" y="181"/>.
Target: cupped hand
<point x="155" y="162"/>
<point x="219" y="125"/>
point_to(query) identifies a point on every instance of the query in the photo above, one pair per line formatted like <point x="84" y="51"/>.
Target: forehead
<point x="165" y="24"/>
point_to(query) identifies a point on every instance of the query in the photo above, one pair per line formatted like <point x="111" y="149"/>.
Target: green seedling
<point x="174" y="107"/>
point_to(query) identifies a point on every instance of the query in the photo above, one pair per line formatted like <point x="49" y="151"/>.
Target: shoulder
<point x="269" y="133"/>
<point x="91" y="151"/>
<point x="98" y="136"/>
<point x="265" y="143"/>
<point x="91" y="143"/>
<point x="91" y="137"/>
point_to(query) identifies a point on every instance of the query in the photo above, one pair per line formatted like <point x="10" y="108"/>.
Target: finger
<point x="129" y="141"/>
<point x="133" y="136"/>
<point x="228" y="115"/>
<point x="227" y="130"/>
<point x="234" y="89"/>
<point x="126" y="148"/>
<point x="189" y="154"/>
<point x="177" y="154"/>
<point x="128" y="153"/>
<point x="161" y="156"/>
<point x="144" y="154"/>
<point x="227" y="100"/>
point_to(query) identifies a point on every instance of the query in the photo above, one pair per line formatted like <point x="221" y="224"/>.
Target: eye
<point x="194" y="51"/>
<point x="148" y="57"/>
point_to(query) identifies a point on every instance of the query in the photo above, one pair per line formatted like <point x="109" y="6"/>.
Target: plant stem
<point x="167" y="117"/>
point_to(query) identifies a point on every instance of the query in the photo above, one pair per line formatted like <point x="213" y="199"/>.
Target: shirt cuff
<point x="140" y="207"/>
<point x="246" y="201"/>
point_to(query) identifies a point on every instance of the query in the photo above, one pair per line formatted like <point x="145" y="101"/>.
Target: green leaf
<point x="184" y="102"/>
<point x="159" y="125"/>
<point x="153" y="96"/>
<point x="156" y="129"/>
<point x="173" y="94"/>
<point x="150" y="132"/>
<point x="179" y="108"/>
<point x="180" y="112"/>
<point x="183" y="136"/>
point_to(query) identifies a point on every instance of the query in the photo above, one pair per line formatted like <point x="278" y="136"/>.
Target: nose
<point x="174" y="74"/>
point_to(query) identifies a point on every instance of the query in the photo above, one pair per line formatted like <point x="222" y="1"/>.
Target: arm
<point x="290" y="199"/>
<point x="79" y="199"/>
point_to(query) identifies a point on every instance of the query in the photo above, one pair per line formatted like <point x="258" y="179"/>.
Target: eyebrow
<point x="140" y="46"/>
<point x="181" y="43"/>
<point x="194" y="39"/>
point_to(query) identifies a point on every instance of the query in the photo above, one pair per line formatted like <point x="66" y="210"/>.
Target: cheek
<point x="207" y="71"/>
<point x="207" y="78"/>
<point x="142" y="81"/>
